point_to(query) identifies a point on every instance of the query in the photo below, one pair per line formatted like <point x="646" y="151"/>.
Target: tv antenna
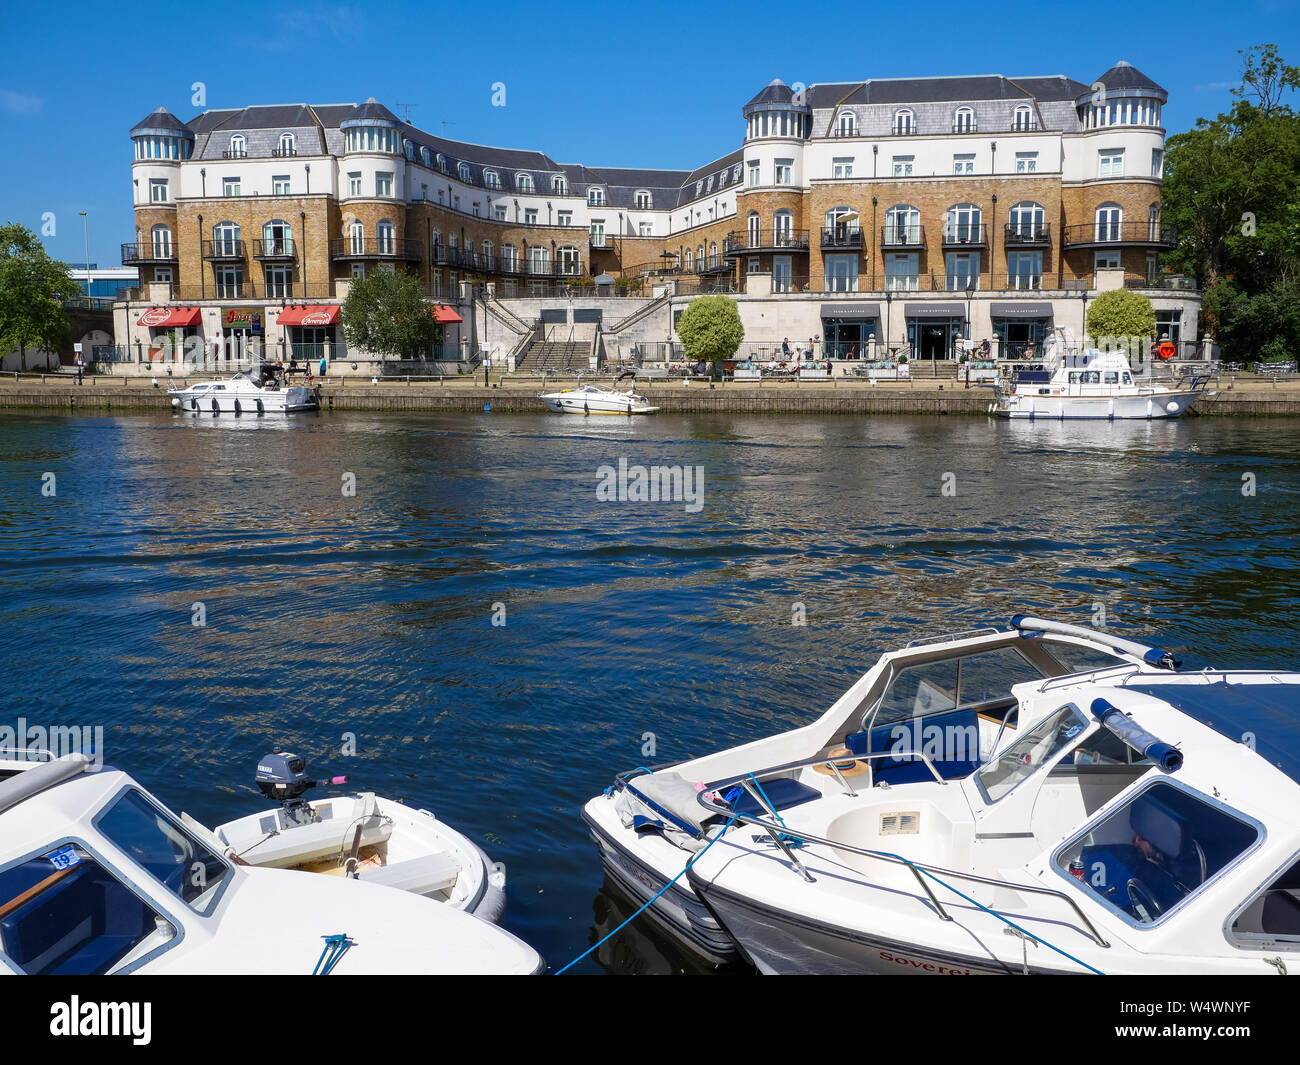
<point x="406" y="112"/>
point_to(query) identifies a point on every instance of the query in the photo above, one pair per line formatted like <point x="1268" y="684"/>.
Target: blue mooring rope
<point x="335" y="947"/>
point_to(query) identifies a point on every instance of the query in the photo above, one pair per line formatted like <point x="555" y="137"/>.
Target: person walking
<point x="81" y="366"/>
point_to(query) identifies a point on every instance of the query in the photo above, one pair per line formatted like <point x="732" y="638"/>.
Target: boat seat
<point x="907" y="767"/>
<point x="782" y="792"/>
<point x="421" y="876"/>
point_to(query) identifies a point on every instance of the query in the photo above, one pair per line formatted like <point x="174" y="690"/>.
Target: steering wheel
<point x="1143" y="901"/>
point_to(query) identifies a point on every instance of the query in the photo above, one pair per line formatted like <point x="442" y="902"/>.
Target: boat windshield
<point x="1030" y="752"/>
<point x="156" y="841"/>
<point x="966" y="682"/>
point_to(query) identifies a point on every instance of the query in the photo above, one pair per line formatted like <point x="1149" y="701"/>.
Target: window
<point x="238" y="147"/>
<point x="565" y="218"/>
<point x="903" y="225"/>
<point x="1023" y="119"/>
<point x="596" y="197"/>
<point x="162" y="275"/>
<point x="508" y="257"/>
<point x="903" y="165"/>
<point x="752" y="265"/>
<point x="753" y="173"/>
<point x="539" y="259"/>
<point x="901" y="273"/>
<point x="230" y="282"/>
<point x="280" y="185"/>
<point x="842" y="167"/>
<point x="1156" y="851"/>
<point x="597" y="232"/>
<point x="963" y="164"/>
<point x="644" y="229"/>
<point x="690" y="261"/>
<point x="1026" y="220"/>
<point x="962" y="224"/>
<point x="424" y="156"/>
<point x="530" y="216"/>
<point x="847" y="124"/>
<point x="1042" y="743"/>
<point x="784" y="171"/>
<point x="783" y="229"/>
<point x="354" y="184"/>
<point x="230" y="186"/>
<point x="491" y="179"/>
<point x="357" y="238"/>
<point x="384" y="183"/>
<point x="1106" y="260"/>
<point x="463" y="172"/>
<point x="1025" y="270"/>
<point x="1110" y="221"/>
<point x="903" y="122"/>
<point x="161" y="237"/>
<point x="963" y="121"/>
<point x="842" y="273"/>
<point x="225" y="239"/>
<point x="288" y="145"/>
<point x="358" y="269"/>
<point x="752" y="228"/>
<point x="643" y="200"/>
<point x="524" y="182"/>
<point x="279" y="282"/>
<point x="442" y="162"/>
<point x="1026" y="162"/>
<point x="1110" y="162"/>
<point x="157" y="190"/>
<point x="963" y="270"/>
<point x="277" y="238"/>
<point x="1153" y="222"/>
<point x="570" y="262"/>
<point x="499" y="213"/>
<point x="1157" y="162"/>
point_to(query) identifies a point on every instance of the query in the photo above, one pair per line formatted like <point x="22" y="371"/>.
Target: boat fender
<point x="194" y="404"/>
<point x="585" y="409"/>
<point x="261" y="408"/>
<point x="238" y="409"/>
<point x="216" y="407"/>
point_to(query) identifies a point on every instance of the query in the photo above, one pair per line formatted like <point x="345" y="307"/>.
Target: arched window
<point x="357" y="238"/>
<point x="643" y="199"/>
<point x="560" y="185"/>
<point x="962" y="224"/>
<point x="424" y="156"/>
<point x="1024" y="118"/>
<point x="1110" y="221"/>
<point x="462" y="171"/>
<point x="238" y="146"/>
<point x="570" y="261"/>
<point x="487" y="254"/>
<point x="690" y="261"/>
<point x="524" y="182"/>
<point x="842" y="226"/>
<point x="847" y="125"/>
<point x="903" y="122"/>
<point x="491" y="179"/>
<point x="903" y="224"/>
<point x="963" y="121"/>
<point x="225" y="238"/>
<point x="782" y="229"/>
<point x="288" y="144"/>
<point x="409" y="147"/>
<point x="442" y="162"/>
<point x="596" y="197"/>
<point x="713" y="253"/>
<point x="1153" y="222"/>
<point x="699" y="256"/>
<point x="161" y="237"/>
<point x="508" y="257"/>
<point x="277" y="238"/>
<point x="752" y="226"/>
<point x="539" y="259"/>
<point x="1026" y="221"/>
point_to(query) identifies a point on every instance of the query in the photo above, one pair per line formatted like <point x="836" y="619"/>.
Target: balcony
<point x="846" y="238"/>
<point x="965" y="235"/>
<point x="280" y="153"/>
<point x="356" y="249"/>
<point x="238" y="153"/>
<point x="784" y="240"/>
<point x="146" y="252"/>
<point x="230" y="249"/>
<point x="601" y="243"/>
<point x="274" y="250"/>
<point x="1028" y="235"/>
<point x="1112" y="234"/>
<point x="902" y="235"/>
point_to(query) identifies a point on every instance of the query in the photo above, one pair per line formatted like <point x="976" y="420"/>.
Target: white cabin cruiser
<point x="254" y="392"/>
<point x="97" y="876"/>
<point x="365" y="837"/>
<point x="649" y="825"/>
<point x="592" y="399"/>
<point x="1089" y="384"/>
<point x="1134" y="822"/>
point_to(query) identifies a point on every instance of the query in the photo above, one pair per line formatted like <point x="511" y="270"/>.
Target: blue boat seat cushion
<point x="958" y="755"/>
<point x="782" y="792"/>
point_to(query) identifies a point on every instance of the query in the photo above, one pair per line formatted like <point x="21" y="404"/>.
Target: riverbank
<point x="1243" y="395"/>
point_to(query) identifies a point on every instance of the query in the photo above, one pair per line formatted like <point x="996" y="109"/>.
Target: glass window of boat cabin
<point x="165" y="848"/>
<point x="1038" y="746"/>
<point x="1270" y="919"/>
<point x="1158" y="849"/>
<point x="65" y="911"/>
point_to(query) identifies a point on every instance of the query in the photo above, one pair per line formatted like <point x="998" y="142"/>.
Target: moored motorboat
<point x="97" y="876"/>
<point x="364" y="837"/>
<point x="254" y="392"/>
<point x="592" y="399"/>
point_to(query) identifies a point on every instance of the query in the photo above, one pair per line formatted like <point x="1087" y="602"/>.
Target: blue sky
<point x="613" y="85"/>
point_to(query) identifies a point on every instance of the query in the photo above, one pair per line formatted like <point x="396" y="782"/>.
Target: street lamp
<point x="85" y="236"/>
<point x="1083" y="328"/>
<point x="889" y="299"/>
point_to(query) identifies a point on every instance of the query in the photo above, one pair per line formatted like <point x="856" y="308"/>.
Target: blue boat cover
<point x="1268" y="712"/>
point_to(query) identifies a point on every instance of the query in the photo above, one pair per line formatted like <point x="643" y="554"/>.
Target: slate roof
<point x="161" y="120"/>
<point x="1124" y="75"/>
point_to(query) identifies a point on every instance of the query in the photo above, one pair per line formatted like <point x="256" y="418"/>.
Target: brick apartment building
<point x="904" y="213"/>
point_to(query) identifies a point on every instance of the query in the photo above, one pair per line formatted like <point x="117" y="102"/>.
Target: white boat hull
<point x="1149" y="406"/>
<point x="595" y="401"/>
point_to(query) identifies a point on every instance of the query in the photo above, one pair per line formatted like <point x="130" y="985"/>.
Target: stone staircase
<point x="925" y="370"/>
<point x="554" y="355"/>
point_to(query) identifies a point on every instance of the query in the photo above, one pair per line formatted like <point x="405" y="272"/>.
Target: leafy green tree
<point x="1232" y="188"/>
<point x="1120" y="313"/>
<point x="32" y="290"/>
<point x="710" y="329"/>
<point x="385" y="313"/>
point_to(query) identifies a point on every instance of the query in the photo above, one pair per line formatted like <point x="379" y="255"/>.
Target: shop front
<point x="312" y="332"/>
<point x="1021" y="327"/>
<point x="243" y="339"/>
<point x="849" y="328"/>
<point x="170" y="332"/>
<point x="933" y="329"/>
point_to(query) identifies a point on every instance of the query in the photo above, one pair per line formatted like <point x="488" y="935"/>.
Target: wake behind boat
<point x="254" y="392"/>
<point x="592" y="399"/>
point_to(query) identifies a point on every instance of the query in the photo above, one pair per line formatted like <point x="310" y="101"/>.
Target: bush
<point x="1120" y="313"/>
<point x="711" y="329"/>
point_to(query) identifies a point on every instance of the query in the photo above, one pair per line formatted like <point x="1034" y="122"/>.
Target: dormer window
<point x="238" y="147"/>
<point x="1023" y="119"/>
<point x="462" y="171"/>
<point x="491" y="179"/>
<point x="847" y="125"/>
<point x="424" y="156"/>
<point x="442" y="162"/>
<point x="524" y="182"/>
<point x="963" y="121"/>
<point x="596" y="197"/>
<point x="560" y="185"/>
<point x="643" y="200"/>
<point x="903" y="122"/>
<point x="288" y="145"/>
<point x="408" y="146"/>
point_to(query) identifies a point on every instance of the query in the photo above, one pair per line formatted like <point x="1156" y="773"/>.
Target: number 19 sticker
<point x="64" y="857"/>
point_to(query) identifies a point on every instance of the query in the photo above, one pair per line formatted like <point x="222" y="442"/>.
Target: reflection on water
<point x="329" y="615"/>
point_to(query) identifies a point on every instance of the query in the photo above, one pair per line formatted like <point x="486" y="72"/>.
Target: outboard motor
<point x="282" y="775"/>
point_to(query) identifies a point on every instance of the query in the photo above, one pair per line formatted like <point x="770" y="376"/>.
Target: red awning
<point x="444" y="315"/>
<point x="309" y="315"/>
<point x="166" y="317"/>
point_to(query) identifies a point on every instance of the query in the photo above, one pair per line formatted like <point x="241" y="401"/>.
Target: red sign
<point x="155" y="316"/>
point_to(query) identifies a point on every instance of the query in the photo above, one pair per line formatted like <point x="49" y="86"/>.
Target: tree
<point x="1120" y="313"/>
<point x="385" y="313"/>
<point x="710" y="328"/>
<point x="32" y="290"/>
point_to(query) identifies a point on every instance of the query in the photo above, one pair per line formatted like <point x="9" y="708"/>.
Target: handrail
<point x="1154" y="656"/>
<point x="916" y="867"/>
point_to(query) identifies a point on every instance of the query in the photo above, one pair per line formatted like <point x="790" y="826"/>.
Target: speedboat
<point x="592" y="399"/>
<point x="364" y="837"/>
<point x="1132" y="822"/>
<point x="1089" y="384"/>
<point x="97" y="876"/>
<point x="254" y="392"/>
<point x="648" y="825"/>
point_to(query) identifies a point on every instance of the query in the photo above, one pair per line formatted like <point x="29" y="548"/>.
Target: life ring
<point x="1167" y="350"/>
